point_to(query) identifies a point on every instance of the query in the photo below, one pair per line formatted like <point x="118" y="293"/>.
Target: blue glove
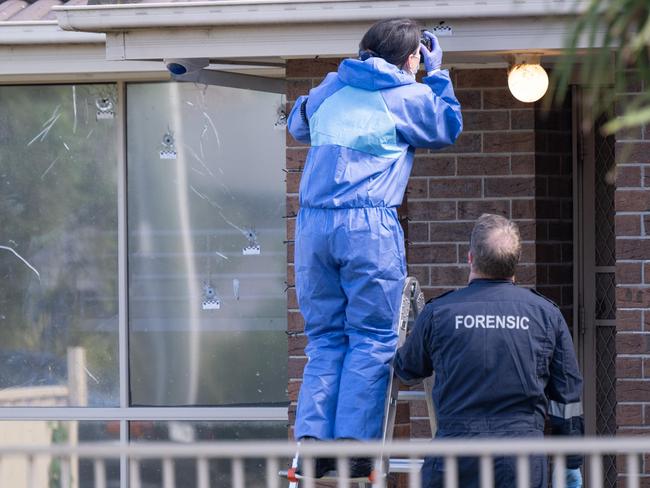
<point x="573" y="478"/>
<point x="432" y="59"/>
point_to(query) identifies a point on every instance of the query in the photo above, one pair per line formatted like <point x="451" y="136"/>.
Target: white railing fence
<point x="405" y="457"/>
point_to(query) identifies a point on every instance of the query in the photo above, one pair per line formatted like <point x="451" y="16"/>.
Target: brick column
<point x="632" y="200"/>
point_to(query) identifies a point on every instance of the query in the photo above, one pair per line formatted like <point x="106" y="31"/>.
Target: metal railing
<point x="405" y="457"/>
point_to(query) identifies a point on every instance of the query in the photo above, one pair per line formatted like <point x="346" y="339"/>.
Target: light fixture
<point x="527" y="79"/>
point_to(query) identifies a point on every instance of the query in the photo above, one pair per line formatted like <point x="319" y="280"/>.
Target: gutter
<point x="43" y="32"/>
<point x="107" y="18"/>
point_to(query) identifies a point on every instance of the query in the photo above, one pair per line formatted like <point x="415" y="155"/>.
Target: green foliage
<point x="617" y="61"/>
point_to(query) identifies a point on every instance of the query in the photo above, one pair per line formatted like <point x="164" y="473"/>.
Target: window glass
<point x="220" y="470"/>
<point x="207" y="258"/>
<point x="58" y="246"/>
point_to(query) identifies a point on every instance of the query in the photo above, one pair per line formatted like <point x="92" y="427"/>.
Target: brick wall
<point x="632" y="201"/>
<point x="511" y="159"/>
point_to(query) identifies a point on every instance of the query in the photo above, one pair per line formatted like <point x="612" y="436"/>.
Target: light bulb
<point x="527" y="82"/>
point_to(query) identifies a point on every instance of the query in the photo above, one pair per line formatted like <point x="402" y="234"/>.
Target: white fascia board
<point x="84" y="61"/>
<point x="44" y="32"/>
<point x="538" y="34"/>
<point x="105" y="18"/>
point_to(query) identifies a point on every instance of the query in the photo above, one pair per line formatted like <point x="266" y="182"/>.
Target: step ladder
<point x="411" y="306"/>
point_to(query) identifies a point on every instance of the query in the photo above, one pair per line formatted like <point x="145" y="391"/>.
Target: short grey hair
<point x="495" y="245"/>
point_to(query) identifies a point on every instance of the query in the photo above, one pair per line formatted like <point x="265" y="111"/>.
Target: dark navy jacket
<point x="503" y="359"/>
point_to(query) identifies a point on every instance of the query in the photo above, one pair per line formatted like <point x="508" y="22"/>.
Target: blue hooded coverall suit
<point x="504" y="360"/>
<point x="363" y="123"/>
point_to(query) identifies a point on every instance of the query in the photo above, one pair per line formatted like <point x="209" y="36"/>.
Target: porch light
<point x="527" y="79"/>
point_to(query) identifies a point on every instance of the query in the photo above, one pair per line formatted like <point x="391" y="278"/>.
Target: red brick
<point x="292" y="299"/>
<point x="455" y="188"/>
<point x="559" y="274"/>
<point x="526" y="274"/>
<point x="290" y="252"/>
<point x="630" y="134"/>
<point x="560" y="186"/>
<point x="628" y="225"/>
<point x="434" y="166"/>
<point x="646" y="368"/>
<point x="628" y="320"/>
<point x="632" y="152"/>
<point x="633" y="391"/>
<point x="628" y="176"/>
<point x="297" y="344"/>
<point x="523" y="164"/>
<point x="522" y="119"/>
<point x="434" y="292"/>
<point x="294" y="390"/>
<point x="632" y="200"/>
<point x="628" y="273"/>
<point x="632" y="249"/>
<point x="472" y="209"/>
<point x="417" y="188"/>
<point x="506" y="142"/>
<point x="403" y="413"/>
<point x="515" y="186"/>
<point x="547" y="209"/>
<point x="483" y="165"/>
<point x="296" y="158"/>
<point x="548" y="164"/>
<point x="629" y="414"/>
<point x="486" y="120"/>
<point x="548" y="252"/>
<point x="420" y="429"/>
<point x="311" y="68"/>
<point x="432" y="254"/>
<point x="646" y="272"/>
<point x="468" y="142"/>
<point x="432" y="211"/>
<point x="421" y="273"/>
<point x="560" y="231"/>
<point x="293" y="181"/>
<point x="558" y="142"/>
<point x="449" y="275"/>
<point x="291" y="281"/>
<point x="291" y="229"/>
<point x="632" y="343"/>
<point x="293" y="205"/>
<point x="632" y="297"/>
<point x="502" y="98"/>
<point x="629" y="367"/>
<point x="295" y="88"/>
<point x="481" y="78"/>
<point x="469" y="99"/>
<point x="450" y="231"/>
<point x="523" y="209"/>
<point x="295" y="367"/>
<point x="295" y="322"/>
<point x="418" y="232"/>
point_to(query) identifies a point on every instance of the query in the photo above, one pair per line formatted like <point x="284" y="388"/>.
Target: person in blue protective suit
<point x="363" y="123"/>
<point x="503" y="359"/>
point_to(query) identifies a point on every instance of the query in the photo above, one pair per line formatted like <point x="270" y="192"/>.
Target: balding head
<point x="495" y="247"/>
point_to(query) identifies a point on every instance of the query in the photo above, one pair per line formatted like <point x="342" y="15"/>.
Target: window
<point x="144" y="261"/>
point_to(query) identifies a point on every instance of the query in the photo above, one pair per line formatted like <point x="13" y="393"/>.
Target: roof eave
<point x="44" y="32"/>
<point x="106" y="18"/>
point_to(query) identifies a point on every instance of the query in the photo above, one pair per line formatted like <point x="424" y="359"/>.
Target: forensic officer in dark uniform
<point x="503" y="359"/>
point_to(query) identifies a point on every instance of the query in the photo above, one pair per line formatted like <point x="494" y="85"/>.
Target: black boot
<point x="360" y="467"/>
<point x="321" y="465"/>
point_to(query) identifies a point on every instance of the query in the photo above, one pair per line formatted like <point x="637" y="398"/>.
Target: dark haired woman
<point x="363" y="123"/>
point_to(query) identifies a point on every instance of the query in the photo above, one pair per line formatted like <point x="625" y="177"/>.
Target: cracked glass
<point x="58" y="246"/>
<point x="207" y="257"/>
